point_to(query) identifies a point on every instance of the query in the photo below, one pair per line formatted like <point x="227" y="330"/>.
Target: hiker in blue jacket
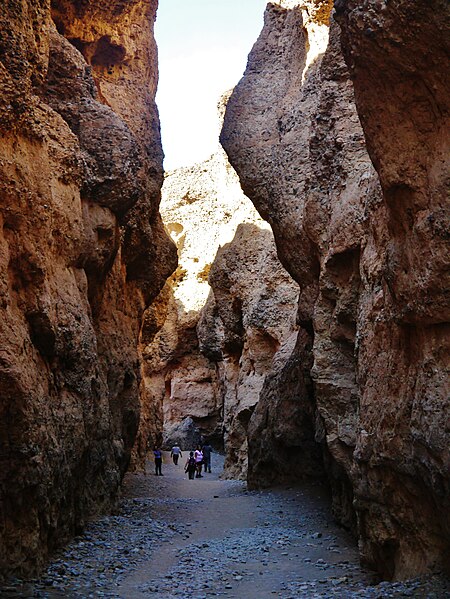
<point x="158" y="461"/>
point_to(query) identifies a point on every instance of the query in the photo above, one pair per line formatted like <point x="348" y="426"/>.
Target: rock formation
<point x="83" y="252"/>
<point x="201" y="206"/>
<point x="246" y="328"/>
<point x="338" y="131"/>
<point x="366" y="246"/>
<point x="208" y="361"/>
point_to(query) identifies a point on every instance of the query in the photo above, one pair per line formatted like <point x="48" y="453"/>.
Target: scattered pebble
<point x="95" y="564"/>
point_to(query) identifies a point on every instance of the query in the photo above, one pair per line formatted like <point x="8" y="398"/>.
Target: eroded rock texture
<point x="83" y="252"/>
<point x="246" y="328"/>
<point x="366" y="246"/>
<point x="202" y="207"/>
<point x="229" y="309"/>
<point x="395" y="54"/>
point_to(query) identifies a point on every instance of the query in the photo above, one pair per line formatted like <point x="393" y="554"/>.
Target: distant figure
<point x="198" y="455"/>
<point x="175" y="454"/>
<point x="207" y="449"/>
<point x="190" y="466"/>
<point x="158" y="461"/>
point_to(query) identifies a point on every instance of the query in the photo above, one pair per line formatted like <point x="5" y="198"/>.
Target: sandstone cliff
<point x="201" y="206"/>
<point x="366" y="247"/>
<point x="83" y="252"/>
<point x="223" y="315"/>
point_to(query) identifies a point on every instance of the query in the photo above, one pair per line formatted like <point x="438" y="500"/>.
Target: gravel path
<point x="196" y="539"/>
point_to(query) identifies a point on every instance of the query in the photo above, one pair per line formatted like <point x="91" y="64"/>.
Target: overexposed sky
<point x="203" y="47"/>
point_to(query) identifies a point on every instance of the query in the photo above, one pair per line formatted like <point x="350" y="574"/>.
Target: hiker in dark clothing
<point x="207" y="449"/>
<point x="190" y="466"/>
<point x="158" y="461"/>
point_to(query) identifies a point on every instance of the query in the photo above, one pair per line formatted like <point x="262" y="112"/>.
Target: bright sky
<point x="203" y="47"/>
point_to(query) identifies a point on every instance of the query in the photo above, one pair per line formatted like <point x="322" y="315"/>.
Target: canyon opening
<point x="273" y="292"/>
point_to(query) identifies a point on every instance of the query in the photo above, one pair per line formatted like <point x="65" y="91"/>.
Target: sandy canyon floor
<point x="194" y="539"/>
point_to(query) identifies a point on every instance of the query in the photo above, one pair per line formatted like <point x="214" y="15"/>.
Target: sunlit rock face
<point x="226" y="312"/>
<point x="202" y="207"/>
<point x="366" y="247"/>
<point x="83" y="252"/>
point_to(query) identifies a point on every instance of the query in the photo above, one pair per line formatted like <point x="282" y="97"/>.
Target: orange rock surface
<point x="82" y="254"/>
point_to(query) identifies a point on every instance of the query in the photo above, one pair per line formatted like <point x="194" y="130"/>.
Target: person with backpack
<point x="190" y="466"/>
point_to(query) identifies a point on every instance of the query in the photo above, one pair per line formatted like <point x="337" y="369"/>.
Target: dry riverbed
<point x="201" y="538"/>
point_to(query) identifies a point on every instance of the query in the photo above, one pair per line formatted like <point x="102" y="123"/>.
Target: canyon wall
<point x="246" y="328"/>
<point x="346" y="160"/>
<point x="225" y="312"/>
<point x="83" y="252"/>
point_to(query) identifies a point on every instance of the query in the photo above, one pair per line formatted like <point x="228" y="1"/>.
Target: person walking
<point x="158" y="461"/>
<point x="190" y="466"/>
<point x="175" y="454"/>
<point x="206" y="450"/>
<point x="198" y="455"/>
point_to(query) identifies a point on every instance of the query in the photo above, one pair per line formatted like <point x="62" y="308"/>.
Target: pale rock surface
<point x="202" y="207"/>
<point x="370" y="264"/>
<point x="213" y="373"/>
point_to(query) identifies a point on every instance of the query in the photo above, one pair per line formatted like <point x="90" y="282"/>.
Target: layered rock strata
<point x="366" y="246"/>
<point x="83" y="252"/>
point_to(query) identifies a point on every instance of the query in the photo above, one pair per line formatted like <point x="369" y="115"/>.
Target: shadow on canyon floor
<point x="174" y="537"/>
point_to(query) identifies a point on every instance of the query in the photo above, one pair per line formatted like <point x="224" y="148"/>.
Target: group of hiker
<point x="197" y="459"/>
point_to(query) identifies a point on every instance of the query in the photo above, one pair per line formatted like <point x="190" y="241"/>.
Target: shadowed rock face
<point x="82" y="253"/>
<point x="396" y="60"/>
<point x="246" y="327"/>
<point x="367" y="249"/>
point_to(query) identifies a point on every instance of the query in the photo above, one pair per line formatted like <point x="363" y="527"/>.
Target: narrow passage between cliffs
<point x="194" y="539"/>
<point x="230" y="542"/>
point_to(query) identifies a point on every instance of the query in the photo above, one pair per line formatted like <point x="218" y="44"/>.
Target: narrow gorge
<point x="286" y="299"/>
